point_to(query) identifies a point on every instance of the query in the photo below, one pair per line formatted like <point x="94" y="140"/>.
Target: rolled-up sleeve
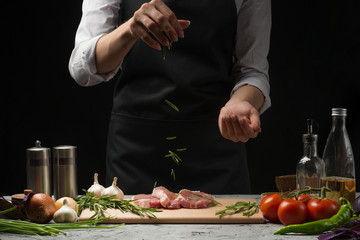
<point x="99" y="17"/>
<point x="252" y="47"/>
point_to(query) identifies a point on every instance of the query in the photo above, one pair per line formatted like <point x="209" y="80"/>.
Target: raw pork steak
<point x="194" y="199"/>
<point x="167" y="198"/>
<point x="146" y="200"/>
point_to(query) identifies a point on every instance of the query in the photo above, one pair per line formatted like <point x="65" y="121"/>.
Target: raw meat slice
<point x="146" y="200"/>
<point x="167" y="198"/>
<point x="194" y="199"/>
<point x="173" y="204"/>
<point x="164" y="195"/>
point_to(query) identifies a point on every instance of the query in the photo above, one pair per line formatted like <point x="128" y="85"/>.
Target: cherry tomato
<point x="304" y="198"/>
<point x="322" y="208"/>
<point x="269" y="206"/>
<point x="292" y="212"/>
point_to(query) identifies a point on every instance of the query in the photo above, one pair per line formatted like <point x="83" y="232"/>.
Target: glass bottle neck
<point x="310" y="149"/>
<point x="338" y="122"/>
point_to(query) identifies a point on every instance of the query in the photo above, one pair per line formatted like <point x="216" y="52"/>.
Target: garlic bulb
<point x="96" y="188"/>
<point x="65" y="214"/>
<point x="113" y="190"/>
<point x="70" y="202"/>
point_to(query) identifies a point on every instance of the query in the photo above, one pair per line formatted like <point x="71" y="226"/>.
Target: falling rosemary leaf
<point x="174" y="157"/>
<point x="172" y="173"/>
<point x="168" y="47"/>
<point x="176" y="160"/>
<point x="181" y="149"/>
<point x="164" y="52"/>
<point x="171" y="138"/>
<point x="155" y="184"/>
<point x="247" y="208"/>
<point x="172" y="105"/>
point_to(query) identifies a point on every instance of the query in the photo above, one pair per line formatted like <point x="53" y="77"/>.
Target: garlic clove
<point x="65" y="214"/>
<point x="113" y="190"/>
<point x="96" y="188"/>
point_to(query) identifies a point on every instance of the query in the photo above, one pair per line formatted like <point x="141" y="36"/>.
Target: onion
<point x="356" y="205"/>
<point x="39" y="207"/>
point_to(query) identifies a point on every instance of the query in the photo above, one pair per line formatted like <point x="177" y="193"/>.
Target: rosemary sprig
<point x="247" y="208"/>
<point x="172" y="105"/>
<point x="100" y="204"/>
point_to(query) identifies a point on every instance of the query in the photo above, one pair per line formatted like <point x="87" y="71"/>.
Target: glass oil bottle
<point x="339" y="160"/>
<point x="310" y="168"/>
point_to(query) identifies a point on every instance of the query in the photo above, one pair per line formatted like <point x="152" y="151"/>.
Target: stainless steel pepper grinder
<point x="38" y="169"/>
<point x="65" y="171"/>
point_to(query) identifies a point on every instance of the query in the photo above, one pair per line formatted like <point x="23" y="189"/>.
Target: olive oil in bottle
<point x="339" y="160"/>
<point x="341" y="187"/>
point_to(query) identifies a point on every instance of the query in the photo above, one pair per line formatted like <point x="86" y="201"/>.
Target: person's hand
<point x="155" y="17"/>
<point x="239" y="121"/>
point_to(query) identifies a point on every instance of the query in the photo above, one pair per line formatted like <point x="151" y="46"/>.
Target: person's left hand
<point x="239" y="121"/>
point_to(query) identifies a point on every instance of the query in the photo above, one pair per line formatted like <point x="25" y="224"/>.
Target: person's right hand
<point x="156" y="18"/>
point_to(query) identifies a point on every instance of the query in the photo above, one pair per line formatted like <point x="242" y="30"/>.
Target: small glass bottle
<point x="310" y="168"/>
<point x="339" y="160"/>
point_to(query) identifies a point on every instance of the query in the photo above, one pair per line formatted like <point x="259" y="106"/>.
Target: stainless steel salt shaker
<point x="64" y="171"/>
<point x="38" y="169"/>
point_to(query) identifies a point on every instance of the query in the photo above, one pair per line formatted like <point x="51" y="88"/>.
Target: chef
<point x="193" y="81"/>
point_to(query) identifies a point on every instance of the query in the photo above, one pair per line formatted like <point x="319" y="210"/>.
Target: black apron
<point x="196" y="77"/>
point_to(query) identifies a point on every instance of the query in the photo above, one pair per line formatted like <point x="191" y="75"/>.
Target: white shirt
<point x="252" y="43"/>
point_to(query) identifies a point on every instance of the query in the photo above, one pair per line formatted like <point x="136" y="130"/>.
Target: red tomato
<point x="269" y="206"/>
<point x="322" y="208"/>
<point x="292" y="212"/>
<point x="304" y="198"/>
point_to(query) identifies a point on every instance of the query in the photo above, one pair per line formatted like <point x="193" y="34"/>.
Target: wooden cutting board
<point x="182" y="215"/>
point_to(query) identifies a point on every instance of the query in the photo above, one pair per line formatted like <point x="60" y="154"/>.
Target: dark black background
<point x="314" y="62"/>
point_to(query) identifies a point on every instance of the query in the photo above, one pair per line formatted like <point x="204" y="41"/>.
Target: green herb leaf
<point x="172" y="105"/>
<point x="171" y="138"/>
<point x="172" y="173"/>
<point x="168" y="47"/>
<point x="247" y="208"/>
<point x="174" y="157"/>
<point x="181" y="149"/>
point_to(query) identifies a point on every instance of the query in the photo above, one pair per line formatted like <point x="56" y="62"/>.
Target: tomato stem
<point x="306" y="189"/>
<point x="323" y="192"/>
